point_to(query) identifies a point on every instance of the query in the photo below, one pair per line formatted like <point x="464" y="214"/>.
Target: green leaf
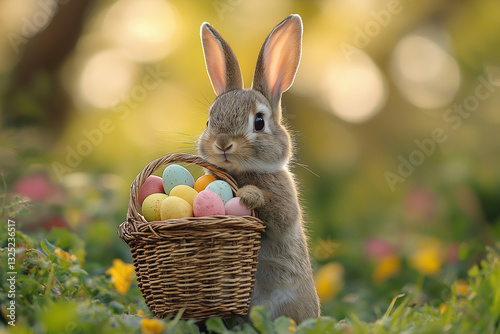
<point x="78" y="270"/>
<point x="474" y="271"/>
<point x="216" y="325"/>
<point x="248" y="329"/>
<point x="282" y="325"/>
<point x="47" y="247"/>
<point x="116" y="307"/>
<point x="261" y="319"/>
<point x="68" y="240"/>
<point x="317" y="326"/>
<point x="66" y="313"/>
<point x="172" y="324"/>
<point x="128" y="321"/>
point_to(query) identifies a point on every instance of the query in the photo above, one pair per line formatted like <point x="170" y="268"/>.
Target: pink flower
<point x="376" y="249"/>
<point x="421" y="204"/>
<point x="36" y="186"/>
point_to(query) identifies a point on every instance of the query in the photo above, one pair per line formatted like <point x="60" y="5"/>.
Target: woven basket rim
<point x="128" y="230"/>
<point x="135" y="220"/>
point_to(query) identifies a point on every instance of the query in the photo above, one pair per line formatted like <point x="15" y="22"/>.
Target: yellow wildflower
<point x="151" y="326"/>
<point x="65" y="255"/>
<point x="292" y="328"/>
<point x="461" y="288"/>
<point x="442" y="308"/>
<point x="428" y="258"/>
<point x="121" y="275"/>
<point x="387" y="267"/>
<point x="329" y="281"/>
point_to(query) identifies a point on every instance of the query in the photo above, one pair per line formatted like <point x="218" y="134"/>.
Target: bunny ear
<point x="279" y="59"/>
<point x="222" y="65"/>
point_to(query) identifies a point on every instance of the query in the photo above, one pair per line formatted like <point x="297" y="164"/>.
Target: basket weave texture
<point x="204" y="266"/>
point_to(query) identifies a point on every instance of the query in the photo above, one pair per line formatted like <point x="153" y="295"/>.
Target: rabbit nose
<point x="223" y="143"/>
<point x="224" y="149"/>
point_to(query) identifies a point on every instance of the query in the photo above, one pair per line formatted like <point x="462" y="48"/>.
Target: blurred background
<point x="395" y="114"/>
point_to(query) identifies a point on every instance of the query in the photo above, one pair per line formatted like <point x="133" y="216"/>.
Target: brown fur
<point x="258" y="160"/>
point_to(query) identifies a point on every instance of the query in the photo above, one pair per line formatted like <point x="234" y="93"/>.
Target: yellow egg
<point x="174" y="207"/>
<point x="203" y="181"/>
<point x="185" y="192"/>
<point x="151" y="206"/>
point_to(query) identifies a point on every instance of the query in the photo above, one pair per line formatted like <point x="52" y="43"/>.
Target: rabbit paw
<point x="251" y="196"/>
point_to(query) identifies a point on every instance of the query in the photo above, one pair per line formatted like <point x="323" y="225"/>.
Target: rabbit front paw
<point x="251" y="196"/>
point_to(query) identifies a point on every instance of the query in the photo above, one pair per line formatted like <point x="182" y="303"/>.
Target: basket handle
<point x="133" y="205"/>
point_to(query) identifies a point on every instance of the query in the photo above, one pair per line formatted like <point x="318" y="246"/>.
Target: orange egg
<point x="203" y="182"/>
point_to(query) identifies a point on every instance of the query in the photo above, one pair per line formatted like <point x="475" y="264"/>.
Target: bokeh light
<point x="426" y="75"/>
<point x="142" y="29"/>
<point x="105" y="78"/>
<point x="356" y="90"/>
<point x="19" y="22"/>
<point x="26" y="18"/>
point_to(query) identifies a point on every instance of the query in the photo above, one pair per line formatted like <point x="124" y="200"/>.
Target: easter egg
<point x="235" y="208"/>
<point x="208" y="203"/>
<point x="174" y="207"/>
<point x="203" y="181"/>
<point x="222" y="189"/>
<point x="185" y="192"/>
<point x="152" y="185"/>
<point x="151" y="206"/>
<point x="174" y="175"/>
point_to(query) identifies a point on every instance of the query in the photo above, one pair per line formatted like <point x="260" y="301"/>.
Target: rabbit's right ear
<point x="222" y="66"/>
<point x="279" y="59"/>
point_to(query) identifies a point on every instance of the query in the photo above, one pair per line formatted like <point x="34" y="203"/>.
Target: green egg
<point x="151" y="207"/>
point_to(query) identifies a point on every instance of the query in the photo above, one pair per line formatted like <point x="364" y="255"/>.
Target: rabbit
<point x="246" y="136"/>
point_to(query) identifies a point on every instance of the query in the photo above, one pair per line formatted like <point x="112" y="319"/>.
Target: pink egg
<point x="235" y="208"/>
<point x="152" y="185"/>
<point x="207" y="203"/>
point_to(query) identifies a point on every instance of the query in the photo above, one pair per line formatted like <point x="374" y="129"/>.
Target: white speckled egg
<point x="222" y="189"/>
<point x="175" y="175"/>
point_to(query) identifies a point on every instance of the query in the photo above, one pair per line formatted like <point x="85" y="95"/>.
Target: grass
<point x="57" y="291"/>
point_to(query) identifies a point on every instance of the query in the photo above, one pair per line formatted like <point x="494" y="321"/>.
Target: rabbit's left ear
<point x="222" y="66"/>
<point x="279" y="59"/>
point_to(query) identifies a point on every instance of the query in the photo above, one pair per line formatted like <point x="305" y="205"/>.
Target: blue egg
<point x="175" y="175"/>
<point x="222" y="189"/>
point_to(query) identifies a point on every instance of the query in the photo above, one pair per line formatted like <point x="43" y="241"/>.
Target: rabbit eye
<point x="259" y="122"/>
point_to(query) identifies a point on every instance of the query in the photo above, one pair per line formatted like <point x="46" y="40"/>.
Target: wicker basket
<point x="202" y="265"/>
